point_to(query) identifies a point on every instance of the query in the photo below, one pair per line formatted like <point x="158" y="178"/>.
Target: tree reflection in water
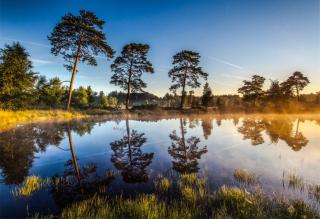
<point x="129" y="158"/>
<point x="277" y="129"/>
<point x="252" y="129"/>
<point x="206" y="127"/>
<point x="78" y="183"/>
<point x="18" y="146"/>
<point x="185" y="153"/>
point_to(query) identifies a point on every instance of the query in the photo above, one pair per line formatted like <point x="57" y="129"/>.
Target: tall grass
<point x="194" y="201"/>
<point x="9" y="119"/>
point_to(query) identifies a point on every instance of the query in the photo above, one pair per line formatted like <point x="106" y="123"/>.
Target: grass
<point x="194" y="201"/>
<point x="163" y="184"/>
<point x="9" y="119"/>
<point x="314" y="191"/>
<point x="30" y="185"/>
<point x="244" y="176"/>
<point x="295" y="182"/>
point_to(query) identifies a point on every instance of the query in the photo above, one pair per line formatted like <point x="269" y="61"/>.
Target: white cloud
<point x="41" y="62"/>
<point x="224" y="62"/>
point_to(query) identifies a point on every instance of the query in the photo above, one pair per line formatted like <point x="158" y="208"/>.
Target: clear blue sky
<point x="236" y="39"/>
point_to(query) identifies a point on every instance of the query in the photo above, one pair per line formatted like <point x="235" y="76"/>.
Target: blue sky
<point x="236" y="39"/>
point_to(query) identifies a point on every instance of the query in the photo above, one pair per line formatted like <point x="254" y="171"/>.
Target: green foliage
<point x="129" y="67"/>
<point x="50" y="93"/>
<point x="16" y="77"/>
<point x="186" y="72"/>
<point x="81" y="97"/>
<point x="83" y="32"/>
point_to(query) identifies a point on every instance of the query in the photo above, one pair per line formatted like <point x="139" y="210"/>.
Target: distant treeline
<point x="79" y="38"/>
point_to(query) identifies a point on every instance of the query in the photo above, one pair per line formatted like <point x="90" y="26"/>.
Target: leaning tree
<point x="186" y="72"/>
<point x="79" y="39"/>
<point x="129" y="67"/>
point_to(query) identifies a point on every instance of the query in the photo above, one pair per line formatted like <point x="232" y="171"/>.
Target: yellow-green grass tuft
<point x="30" y="185"/>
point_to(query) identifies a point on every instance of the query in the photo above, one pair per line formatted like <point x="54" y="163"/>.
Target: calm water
<point x="83" y="152"/>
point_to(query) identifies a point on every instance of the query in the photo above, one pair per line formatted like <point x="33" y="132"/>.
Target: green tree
<point x="186" y="72"/>
<point x="16" y="77"/>
<point x="54" y="92"/>
<point x="206" y="95"/>
<point x="92" y="96"/>
<point x="81" y="97"/>
<point x="79" y="38"/>
<point x="297" y="81"/>
<point x="252" y="90"/>
<point x="129" y="67"/>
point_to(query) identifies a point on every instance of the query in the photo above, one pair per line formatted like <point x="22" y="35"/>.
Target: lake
<point x="139" y="148"/>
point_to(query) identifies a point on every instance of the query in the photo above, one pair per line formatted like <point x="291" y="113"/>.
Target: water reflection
<point x="185" y="152"/>
<point x="18" y="147"/>
<point x="277" y="129"/>
<point x="78" y="182"/>
<point x="129" y="158"/>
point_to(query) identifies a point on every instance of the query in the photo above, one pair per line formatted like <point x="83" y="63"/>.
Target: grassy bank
<point x="10" y="119"/>
<point x="190" y="197"/>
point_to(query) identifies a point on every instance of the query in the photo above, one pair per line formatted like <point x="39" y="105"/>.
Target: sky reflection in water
<point x="83" y="154"/>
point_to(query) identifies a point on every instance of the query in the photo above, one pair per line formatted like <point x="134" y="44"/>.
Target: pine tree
<point x="16" y="77"/>
<point x="186" y="72"/>
<point x="129" y="67"/>
<point x="206" y="95"/>
<point x="79" y="39"/>
<point x="252" y="90"/>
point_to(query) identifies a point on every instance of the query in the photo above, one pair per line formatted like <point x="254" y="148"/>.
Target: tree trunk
<point x="129" y="140"/>
<point x="129" y="87"/>
<point x="183" y="139"/>
<point x="128" y="96"/>
<point x="73" y="75"/>
<point x="298" y="95"/>
<point x="183" y="91"/>
<point x="74" y="158"/>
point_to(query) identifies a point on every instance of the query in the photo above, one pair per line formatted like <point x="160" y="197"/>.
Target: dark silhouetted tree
<point x="252" y="90"/>
<point x="186" y="72"/>
<point x="185" y="152"/>
<point x="274" y="92"/>
<point x="206" y="95"/>
<point x="129" y="67"/>
<point x="16" y="77"/>
<point x="297" y="81"/>
<point x="128" y="157"/>
<point x="79" y="39"/>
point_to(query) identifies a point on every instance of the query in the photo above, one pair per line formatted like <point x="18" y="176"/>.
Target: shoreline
<point x="11" y="119"/>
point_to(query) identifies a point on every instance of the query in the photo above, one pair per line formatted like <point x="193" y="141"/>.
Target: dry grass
<point x="10" y="119"/>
